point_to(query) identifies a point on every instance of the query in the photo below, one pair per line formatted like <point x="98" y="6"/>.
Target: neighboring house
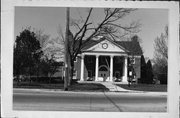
<point x="106" y="60"/>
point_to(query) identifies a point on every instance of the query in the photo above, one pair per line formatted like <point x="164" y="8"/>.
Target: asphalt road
<point x="41" y="100"/>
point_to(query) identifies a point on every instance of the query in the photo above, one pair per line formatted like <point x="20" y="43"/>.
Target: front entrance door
<point x="103" y="73"/>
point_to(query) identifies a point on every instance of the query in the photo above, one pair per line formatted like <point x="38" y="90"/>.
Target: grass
<point x="90" y="87"/>
<point x="145" y="87"/>
<point x="37" y="85"/>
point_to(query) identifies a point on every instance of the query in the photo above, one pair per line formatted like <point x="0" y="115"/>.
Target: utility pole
<point x="66" y="79"/>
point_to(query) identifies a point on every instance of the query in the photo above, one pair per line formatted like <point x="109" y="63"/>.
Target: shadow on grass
<point x="37" y="85"/>
<point x="145" y="87"/>
<point x="89" y="87"/>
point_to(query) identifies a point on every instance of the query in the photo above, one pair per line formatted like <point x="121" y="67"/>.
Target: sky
<point x="48" y="19"/>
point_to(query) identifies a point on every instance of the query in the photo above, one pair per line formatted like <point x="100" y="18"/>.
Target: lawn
<point x="90" y="87"/>
<point x="145" y="87"/>
<point x="34" y="85"/>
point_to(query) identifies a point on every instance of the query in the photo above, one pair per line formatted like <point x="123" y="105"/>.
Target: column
<point x="111" y="68"/>
<point x="82" y="67"/>
<point x="125" y="70"/>
<point x="97" y="66"/>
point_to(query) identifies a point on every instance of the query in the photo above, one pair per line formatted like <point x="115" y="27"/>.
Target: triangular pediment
<point x="106" y="46"/>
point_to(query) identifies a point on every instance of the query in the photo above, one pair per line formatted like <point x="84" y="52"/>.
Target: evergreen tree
<point x="143" y="69"/>
<point x="27" y="53"/>
<point x="149" y="73"/>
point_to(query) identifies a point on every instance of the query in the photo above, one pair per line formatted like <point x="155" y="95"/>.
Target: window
<point x="103" y="69"/>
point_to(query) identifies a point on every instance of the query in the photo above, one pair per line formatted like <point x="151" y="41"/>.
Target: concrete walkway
<point x="114" y="88"/>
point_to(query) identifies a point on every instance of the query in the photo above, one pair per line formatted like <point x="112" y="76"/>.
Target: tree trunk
<point x="71" y="73"/>
<point x="66" y="79"/>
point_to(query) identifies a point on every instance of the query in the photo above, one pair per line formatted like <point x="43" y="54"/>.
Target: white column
<point x="111" y="68"/>
<point x="82" y="68"/>
<point x="97" y="66"/>
<point x="125" y="70"/>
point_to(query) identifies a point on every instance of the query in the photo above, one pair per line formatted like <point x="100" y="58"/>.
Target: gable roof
<point x="132" y="47"/>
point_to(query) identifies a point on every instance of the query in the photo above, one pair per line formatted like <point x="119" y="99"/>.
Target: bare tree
<point x="161" y="48"/>
<point x="50" y="46"/>
<point x="161" y="56"/>
<point x="86" y="30"/>
<point x="41" y="37"/>
<point x="53" y="52"/>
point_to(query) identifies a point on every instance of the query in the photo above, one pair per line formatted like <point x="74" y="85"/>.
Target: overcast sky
<point x="48" y="19"/>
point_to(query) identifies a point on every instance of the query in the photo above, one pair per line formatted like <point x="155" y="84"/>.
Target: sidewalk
<point x="113" y="88"/>
<point x="109" y="85"/>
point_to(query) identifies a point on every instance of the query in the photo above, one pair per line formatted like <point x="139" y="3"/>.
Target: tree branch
<point x="84" y="23"/>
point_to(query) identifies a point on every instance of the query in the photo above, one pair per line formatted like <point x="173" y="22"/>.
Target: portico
<point x="105" y="71"/>
<point x="105" y="60"/>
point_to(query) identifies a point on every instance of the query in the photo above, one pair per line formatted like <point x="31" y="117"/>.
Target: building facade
<point x="107" y="60"/>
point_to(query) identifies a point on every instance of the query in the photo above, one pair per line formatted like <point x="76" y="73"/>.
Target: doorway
<point x="103" y="73"/>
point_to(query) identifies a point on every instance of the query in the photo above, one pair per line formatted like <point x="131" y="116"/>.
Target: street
<point x="45" y="100"/>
